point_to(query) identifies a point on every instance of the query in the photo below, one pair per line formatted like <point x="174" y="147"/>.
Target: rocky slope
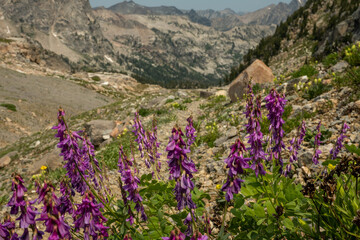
<point x="173" y="51"/>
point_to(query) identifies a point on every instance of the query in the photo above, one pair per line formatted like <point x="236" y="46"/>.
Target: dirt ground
<point x="37" y="99"/>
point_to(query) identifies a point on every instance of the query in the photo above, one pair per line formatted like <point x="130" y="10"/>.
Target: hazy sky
<point x="236" y="5"/>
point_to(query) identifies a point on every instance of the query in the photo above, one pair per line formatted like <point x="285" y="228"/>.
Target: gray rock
<point x="339" y="67"/>
<point x="35" y="144"/>
<point x="309" y="107"/>
<point x="232" y="132"/>
<point x="218" y="142"/>
<point x="305" y="158"/>
<point x="181" y="94"/>
<point x="4" y="161"/>
<point x="97" y="129"/>
<point x="205" y="94"/>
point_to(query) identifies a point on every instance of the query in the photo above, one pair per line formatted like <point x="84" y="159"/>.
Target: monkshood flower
<point x="275" y="104"/>
<point x="17" y="200"/>
<point x="65" y="205"/>
<point x="295" y="145"/>
<point x="236" y="163"/>
<point x="90" y="219"/>
<point x="130" y="185"/>
<point x="181" y="169"/>
<point x="190" y="132"/>
<point x="339" y="142"/>
<point x="72" y="155"/>
<point x="50" y="215"/>
<point x="175" y="235"/>
<point x="256" y="139"/>
<point x="317" y="143"/>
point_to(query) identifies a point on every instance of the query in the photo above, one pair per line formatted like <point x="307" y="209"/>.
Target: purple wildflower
<point x="317" y="143"/>
<point x="90" y="219"/>
<point x="140" y="135"/>
<point x="236" y="163"/>
<point x="295" y="145"/>
<point x="181" y="169"/>
<point x="65" y="205"/>
<point x="130" y="182"/>
<point x="339" y="142"/>
<point x="256" y="138"/>
<point x="7" y="229"/>
<point x="199" y="236"/>
<point x="188" y="222"/>
<point x="17" y="200"/>
<point x="53" y="220"/>
<point x="190" y="132"/>
<point x="175" y="235"/>
<point x="275" y="104"/>
<point x="72" y="154"/>
<point x="151" y="146"/>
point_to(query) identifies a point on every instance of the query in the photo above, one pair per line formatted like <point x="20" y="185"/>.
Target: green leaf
<point x="288" y="223"/>
<point x="260" y="221"/>
<point x="239" y="201"/>
<point x="353" y="149"/>
<point x="259" y="210"/>
<point x="332" y="162"/>
<point x="270" y="208"/>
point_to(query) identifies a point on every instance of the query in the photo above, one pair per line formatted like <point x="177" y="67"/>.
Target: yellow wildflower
<point x="331" y="167"/>
<point x="309" y="83"/>
<point x="295" y="85"/>
<point x="218" y="187"/>
<point x="306" y="88"/>
<point x="43" y="168"/>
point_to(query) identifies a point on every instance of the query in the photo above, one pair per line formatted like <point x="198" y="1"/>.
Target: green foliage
<point x="212" y="133"/>
<point x="310" y="135"/>
<point x="295" y="121"/>
<point x="110" y="154"/>
<point x="187" y="100"/>
<point x="315" y="90"/>
<point x="158" y="200"/>
<point x="352" y="54"/>
<point x="9" y="106"/>
<point x="331" y="59"/>
<point x="178" y="106"/>
<point x="96" y="78"/>
<point x="5" y="40"/>
<point x="306" y="70"/>
<point x="144" y="112"/>
<point x="350" y="79"/>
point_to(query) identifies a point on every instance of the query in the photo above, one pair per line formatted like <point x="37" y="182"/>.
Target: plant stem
<point x="223" y="220"/>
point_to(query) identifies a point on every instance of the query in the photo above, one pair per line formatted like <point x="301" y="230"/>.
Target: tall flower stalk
<point x="295" y="146"/>
<point x="275" y="104"/>
<point x="317" y="143"/>
<point x="129" y="183"/>
<point x="339" y="142"/>
<point x="236" y="163"/>
<point x="181" y="169"/>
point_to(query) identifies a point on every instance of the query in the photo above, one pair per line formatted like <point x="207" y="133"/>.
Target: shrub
<point x="306" y="70"/>
<point x="352" y="54"/>
<point x="96" y="78"/>
<point x="331" y="59"/>
<point x="9" y="106"/>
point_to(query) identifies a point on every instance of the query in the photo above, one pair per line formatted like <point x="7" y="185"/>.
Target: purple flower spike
<point x="7" y="229"/>
<point x="53" y="220"/>
<point x="130" y="186"/>
<point x="65" y="205"/>
<point x="175" y="235"/>
<point x="190" y="132"/>
<point x="256" y="138"/>
<point x="295" y="146"/>
<point x="236" y="163"/>
<point x="127" y="237"/>
<point x="317" y="143"/>
<point x="339" y="142"/>
<point x="90" y="219"/>
<point x="181" y="169"/>
<point x="17" y="200"/>
<point x="275" y="104"/>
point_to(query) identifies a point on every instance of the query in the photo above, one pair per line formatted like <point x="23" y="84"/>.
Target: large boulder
<point x="258" y="72"/>
<point x="99" y="130"/>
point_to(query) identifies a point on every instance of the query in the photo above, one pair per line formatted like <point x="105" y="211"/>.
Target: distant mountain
<point x="223" y="20"/>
